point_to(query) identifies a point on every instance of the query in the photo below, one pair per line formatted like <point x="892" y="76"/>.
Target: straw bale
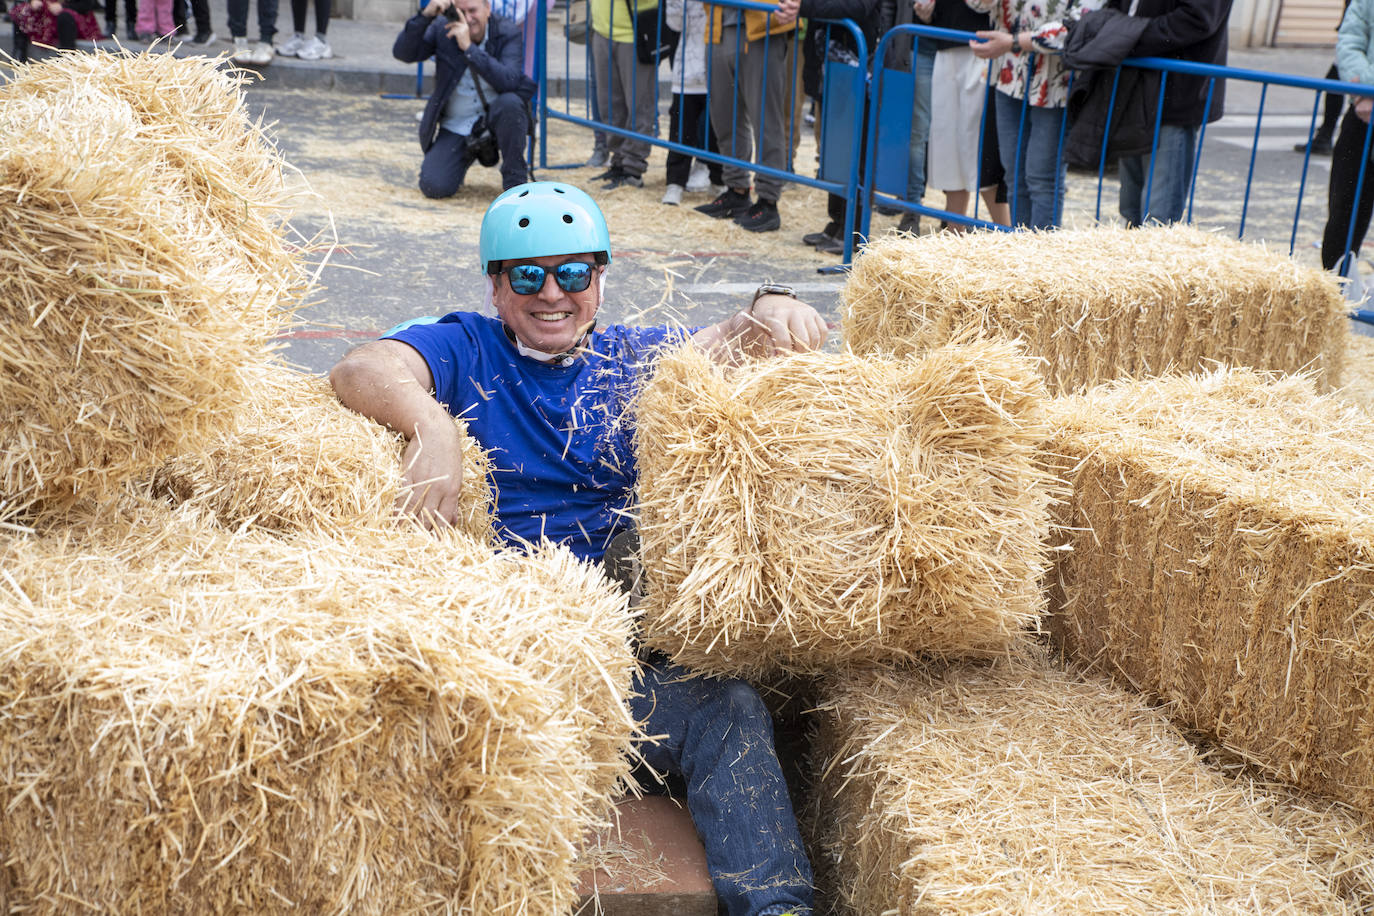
<point x="199" y="720"/>
<point x="145" y="264"/>
<point x="1101" y="303"/>
<point x="300" y="459"/>
<point x="1357" y="384"/>
<point x="805" y="512"/>
<point x="1015" y="788"/>
<point x="1220" y="555"/>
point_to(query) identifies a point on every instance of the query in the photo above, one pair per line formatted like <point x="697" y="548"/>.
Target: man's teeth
<point x="552" y="316"/>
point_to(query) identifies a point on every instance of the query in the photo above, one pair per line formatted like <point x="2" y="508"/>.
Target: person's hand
<point x="990" y="44"/>
<point x="36" y="5"/>
<point x="458" y="30"/>
<point x="781" y="324"/>
<point x="432" y="480"/>
<point x="1363" y="107"/>
<point x="435" y="7"/>
<point x="924" y="9"/>
<point x="788" y="10"/>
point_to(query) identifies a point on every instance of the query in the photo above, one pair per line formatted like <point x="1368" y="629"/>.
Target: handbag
<point x="653" y="39"/>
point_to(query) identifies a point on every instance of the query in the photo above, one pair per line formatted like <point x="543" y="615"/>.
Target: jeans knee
<point x="437" y="191"/>
<point x="740" y="702"/>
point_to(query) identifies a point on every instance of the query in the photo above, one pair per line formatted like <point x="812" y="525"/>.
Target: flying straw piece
<point x="1102" y="303"/>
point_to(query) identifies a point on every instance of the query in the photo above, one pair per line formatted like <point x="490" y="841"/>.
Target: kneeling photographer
<point x="479" y="110"/>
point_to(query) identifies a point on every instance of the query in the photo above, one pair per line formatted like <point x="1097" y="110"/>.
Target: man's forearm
<point x="385" y="389"/>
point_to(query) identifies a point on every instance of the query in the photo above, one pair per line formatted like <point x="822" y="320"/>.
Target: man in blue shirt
<point x="546" y="394"/>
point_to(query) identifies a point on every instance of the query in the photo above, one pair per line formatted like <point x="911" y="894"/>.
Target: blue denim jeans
<point x="720" y="741"/>
<point x="1173" y="173"/>
<point x="1039" y="171"/>
<point x="920" y="121"/>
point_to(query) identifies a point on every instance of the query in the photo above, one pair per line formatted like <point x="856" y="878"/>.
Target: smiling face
<point x="551" y="320"/>
<point x="477" y="12"/>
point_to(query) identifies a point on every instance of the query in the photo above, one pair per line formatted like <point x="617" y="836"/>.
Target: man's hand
<point x="780" y="324"/>
<point x="989" y="44"/>
<point x="458" y="30"/>
<point x="432" y="482"/>
<point x="788" y="10"/>
<point x="924" y="9"/>
<point x="435" y="7"/>
<point x="1363" y="107"/>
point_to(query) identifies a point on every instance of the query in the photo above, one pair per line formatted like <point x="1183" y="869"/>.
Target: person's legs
<point x="1345" y="174"/>
<point x="640" y="85"/>
<point x="21" y="44"/>
<point x="443" y="168"/>
<point x="720" y="739"/>
<point x="1045" y="173"/>
<point x="923" y="60"/>
<point x="510" y="122"/>
<point x="267" y="20"/>
<point x="66" y="31"/>
<point x="238" y="18"/>
<point x="1130" y="170"/>
<point x="728" y="119"/>
<point x="680" y="130"/>
<point x="1011" y="145"/>
<point x="609" y="103"/>
<point x="769" y="76"/>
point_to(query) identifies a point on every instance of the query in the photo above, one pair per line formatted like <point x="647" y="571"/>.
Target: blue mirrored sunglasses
<point x="528" y="279"/>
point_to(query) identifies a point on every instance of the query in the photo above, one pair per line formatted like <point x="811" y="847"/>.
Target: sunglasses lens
<point x="574" y="276"/>
<point x="526" y="279"/>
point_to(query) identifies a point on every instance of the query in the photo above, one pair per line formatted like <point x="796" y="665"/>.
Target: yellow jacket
<point x="755" y="25"/>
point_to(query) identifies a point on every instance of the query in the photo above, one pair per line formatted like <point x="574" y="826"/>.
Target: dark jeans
<point x="689" y="111"/>
<point x="112" y="8"/>
<point x="720" y="741"/>
<point x="322" y="8"/>
<point x="1340" y="199"/>
<point x="267" y="19"/>
<point x="447" y="161"/>
<point x="200" y="11"/>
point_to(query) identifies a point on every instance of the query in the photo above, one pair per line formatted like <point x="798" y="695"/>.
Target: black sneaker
<point x="610" y="174"/>
<point x="727" y="206"/>
<point x="623" y="180"/>
<point x="204" y="38"/>
<point x="911" y="222"/>
<point x="761" y="217"/>
<point x="812" y="239"/>
<point x="1320" y="146"/>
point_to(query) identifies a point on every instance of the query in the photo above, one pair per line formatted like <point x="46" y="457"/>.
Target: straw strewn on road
<point x="805" y="512"/>
<point x="1015" y="788"/>
<point x="1101" y="303"/>
<point x="1222" y="557"/>
<point x="193" y="720"/>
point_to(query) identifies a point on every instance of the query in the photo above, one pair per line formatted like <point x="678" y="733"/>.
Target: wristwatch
<point x="771" y="289"/>
<point x="1016" y="43"/>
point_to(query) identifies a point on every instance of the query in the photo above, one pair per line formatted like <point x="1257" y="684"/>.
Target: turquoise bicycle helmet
<point x="542" y="218"/>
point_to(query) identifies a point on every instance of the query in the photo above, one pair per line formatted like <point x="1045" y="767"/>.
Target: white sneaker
<point x="292" y="46"/>
<point x="315" y="48"/>
<point x="243" y="52"/>
<point x="700" y="178"/>
<point x="672" y="195"/>
<point x="262" y="54"/>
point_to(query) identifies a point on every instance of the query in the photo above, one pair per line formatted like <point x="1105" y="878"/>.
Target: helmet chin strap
<point x="559" y="359"/>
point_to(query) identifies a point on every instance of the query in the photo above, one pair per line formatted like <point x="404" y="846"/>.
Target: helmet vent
<point x="523" y="194"/>
<point x="557" y="191"/>
<point x="567" y="218"/>
<point x="524" y="222"/>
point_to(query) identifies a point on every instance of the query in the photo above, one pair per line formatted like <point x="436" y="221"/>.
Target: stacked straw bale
<point x="201" y="721"/>
<point x="1016" y="788"/>
<point x="1221" y="535"/>
<point x="299" y="459"/>
<point x="805" y="512"/>
<point x="144" y="266"/>
<point x="1357" y="384"/>
<point x="1099" y="304"/>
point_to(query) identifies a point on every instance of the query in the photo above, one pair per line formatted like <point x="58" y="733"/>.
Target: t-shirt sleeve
<point x="449" y="347"/>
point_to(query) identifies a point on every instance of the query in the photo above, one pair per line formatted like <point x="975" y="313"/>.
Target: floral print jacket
<point x="1047" y="21"/>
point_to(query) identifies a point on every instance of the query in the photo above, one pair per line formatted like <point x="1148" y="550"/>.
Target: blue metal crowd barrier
<point x="846" y="145"/>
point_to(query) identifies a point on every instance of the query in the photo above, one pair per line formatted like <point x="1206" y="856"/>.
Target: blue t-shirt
<point x="560" y="440"/>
